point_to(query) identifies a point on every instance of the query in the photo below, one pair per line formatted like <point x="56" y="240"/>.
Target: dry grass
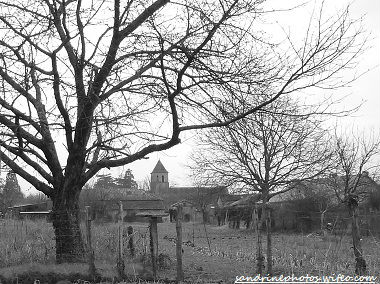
<point x="214" y="254"/>
<point x="25" y="241"/>
<point x="65" y="269"/>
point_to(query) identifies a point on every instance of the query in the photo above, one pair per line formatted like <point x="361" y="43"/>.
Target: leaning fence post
<point x="120" y="261"/>
<point x="178" y="227"/>
<point x="91" y="256"/>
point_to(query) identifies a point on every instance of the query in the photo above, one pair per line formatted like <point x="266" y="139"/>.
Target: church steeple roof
<point x="159" y="168"/>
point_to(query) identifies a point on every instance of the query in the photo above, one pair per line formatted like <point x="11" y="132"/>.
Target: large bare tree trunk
<point x="69" y="244"/>
<point x="360" y="263"/>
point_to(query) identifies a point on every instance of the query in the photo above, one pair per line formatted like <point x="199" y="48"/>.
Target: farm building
<point x="313" y="203"/>
<point x="137" y="208"/>
<point x="238" y="213"/>
<point x="189" y="210"/>
<point x="309" y="206"/>
<point x="305" y="189"/>
<point x="30" y="211"/>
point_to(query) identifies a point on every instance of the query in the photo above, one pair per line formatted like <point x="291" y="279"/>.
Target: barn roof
<point x="143" y="202"/>
<point x="183" y="203"/>
<point x="151" y="213"/>
<point x="245" y="201"/>
<point x="229" y="198"/>
<point x="159" y="168"/>
<point x="24" y="205"/>
<point x="28" y="205"/>
<point x="36" y="213"/>
<point x="193" y="194"/>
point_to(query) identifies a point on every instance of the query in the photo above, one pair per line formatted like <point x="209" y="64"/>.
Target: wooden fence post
<point x="153" y="244"/>
<point x="91" y="256"/>
<point x="178" y="227"/>
<point x="131" y="245"/>
<point x="253" y="219"/>
<point x="259" y="246"/>
<point x="120" y="260"/>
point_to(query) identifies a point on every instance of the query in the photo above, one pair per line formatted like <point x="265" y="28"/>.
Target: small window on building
<point x="163" y="179"/>
<point x="157" y="178"/>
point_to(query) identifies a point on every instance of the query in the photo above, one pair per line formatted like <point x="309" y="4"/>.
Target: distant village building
<point x="316" y="197"/>
<point x="138" y="206"/>
<point x="39" y="210"/>
<point x="189" y="210"/>
<point x="307" y="206"/>
<point x="198" y="203"/>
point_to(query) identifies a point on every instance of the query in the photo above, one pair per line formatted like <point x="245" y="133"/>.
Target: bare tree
<point x="268" y="153"/>
<point x="324" y="203"/>
<point x="11" y="193"/>
<point x="204" y="196"/>
<point x="88" y="85"/>
<point x="354" y="157"/>
<point x="144" y="184"/>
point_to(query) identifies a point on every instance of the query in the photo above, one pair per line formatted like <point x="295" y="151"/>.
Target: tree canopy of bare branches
<point x="265" y="152"/>
<point x="87" y="85"/>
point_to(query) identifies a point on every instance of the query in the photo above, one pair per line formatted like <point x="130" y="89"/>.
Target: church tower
<point x="159" y="179"/>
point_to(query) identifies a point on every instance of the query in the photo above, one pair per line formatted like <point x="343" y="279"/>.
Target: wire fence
<point x="33" y="240"/>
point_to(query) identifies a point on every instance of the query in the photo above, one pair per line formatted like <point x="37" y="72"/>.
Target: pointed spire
<point x="159" y="168"/>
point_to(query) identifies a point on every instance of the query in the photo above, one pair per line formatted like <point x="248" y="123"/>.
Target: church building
<point x="159" y="179"/>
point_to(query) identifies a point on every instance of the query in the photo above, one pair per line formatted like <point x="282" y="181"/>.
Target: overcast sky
<point x="366" y="89"/>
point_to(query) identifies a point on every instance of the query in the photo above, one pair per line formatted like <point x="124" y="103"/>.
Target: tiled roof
<point x="128" y="194"/>
<point x="159" y="168"/>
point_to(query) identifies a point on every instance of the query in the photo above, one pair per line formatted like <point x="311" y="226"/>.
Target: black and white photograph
<point x="189" y="141"/>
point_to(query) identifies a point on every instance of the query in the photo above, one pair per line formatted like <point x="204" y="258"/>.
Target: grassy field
<point x="211" y="253"/>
